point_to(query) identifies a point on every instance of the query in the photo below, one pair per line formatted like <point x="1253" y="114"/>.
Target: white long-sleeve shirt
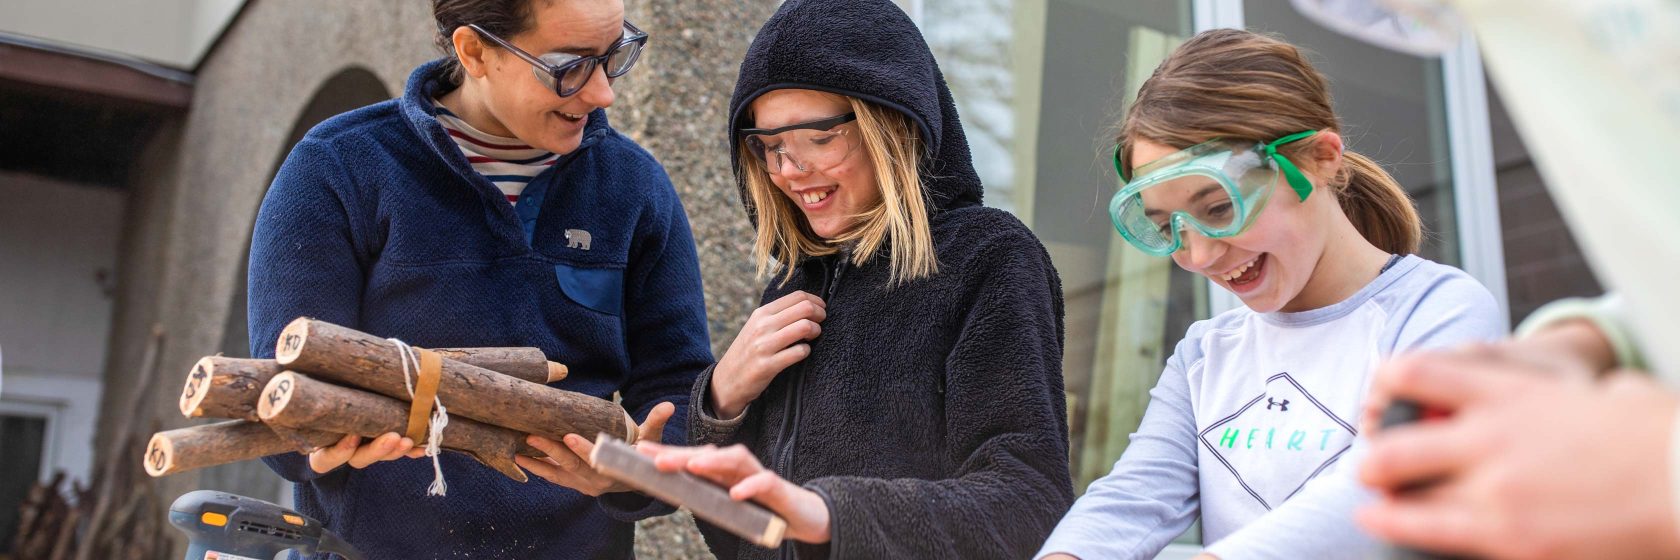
<point x="1254" y="424"/>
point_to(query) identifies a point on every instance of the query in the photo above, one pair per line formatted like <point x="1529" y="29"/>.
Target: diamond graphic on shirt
<point x="1278" y="441"/>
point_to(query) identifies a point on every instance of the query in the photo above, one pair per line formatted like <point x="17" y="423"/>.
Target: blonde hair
<point x="898" y="225"/>
<point x="1230" y="83"/>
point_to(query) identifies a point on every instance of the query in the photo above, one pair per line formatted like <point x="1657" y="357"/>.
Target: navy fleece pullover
<point x="377" y="222"/>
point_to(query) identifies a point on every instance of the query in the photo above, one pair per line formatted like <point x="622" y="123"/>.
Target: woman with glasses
<point x="490" y="205"/>
<point x="1233" y="166"/>
<point x="899" y="394"/>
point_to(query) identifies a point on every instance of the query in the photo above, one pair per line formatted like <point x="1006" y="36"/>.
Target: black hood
<point x="868" y="49"/>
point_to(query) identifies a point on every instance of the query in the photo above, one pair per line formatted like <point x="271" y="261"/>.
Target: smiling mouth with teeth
<point x="813" y="197"/>
<point x="575" y="117"/>
<point x="1239" y="271"/>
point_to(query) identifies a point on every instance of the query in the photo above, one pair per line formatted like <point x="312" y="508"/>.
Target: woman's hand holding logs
<point x="568" y="465"/>
<point x="349" y="450"/>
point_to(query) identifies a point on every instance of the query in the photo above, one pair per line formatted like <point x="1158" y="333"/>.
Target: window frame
<point x="71" y="408"/>
<point x="50" y="436"/>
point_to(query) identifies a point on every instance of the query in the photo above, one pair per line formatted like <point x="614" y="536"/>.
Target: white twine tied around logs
<point x="440" y="417"/>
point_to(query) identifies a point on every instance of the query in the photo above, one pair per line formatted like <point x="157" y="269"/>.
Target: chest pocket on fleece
<point x="600" y="289"/>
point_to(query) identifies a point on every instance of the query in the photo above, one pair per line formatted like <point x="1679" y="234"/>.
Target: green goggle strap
<point x="1118" y="169"/>
<point x="1297" y="181"/>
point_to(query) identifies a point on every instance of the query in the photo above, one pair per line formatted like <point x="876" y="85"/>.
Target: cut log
<point x="707" y="501"/>
<point x="305" y="441"/>
<point x="522" y="362"/>
<point x="220" y="387"/>
<point x="294" y="400"/>
<point x="44" y="509"/>
<point x="223" y="387"/>
<point x="362" y="360"/>
<point x="208" y="445"/>
<point x="64" y="543"/>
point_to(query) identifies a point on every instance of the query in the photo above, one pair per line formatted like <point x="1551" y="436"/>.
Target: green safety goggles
<point x="1217" y="187"/>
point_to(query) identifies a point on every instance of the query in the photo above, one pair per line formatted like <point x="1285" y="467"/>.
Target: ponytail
<point x="1378" y="207"/>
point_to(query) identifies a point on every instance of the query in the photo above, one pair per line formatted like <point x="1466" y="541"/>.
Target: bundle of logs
<point x="327" y="381"/>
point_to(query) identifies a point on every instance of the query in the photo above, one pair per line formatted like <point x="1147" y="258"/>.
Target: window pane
<point x="1392" y="108"/>
<point x="974" y="41"/>
<point x="1041" y="86"/>
<point x="21" y="441"/>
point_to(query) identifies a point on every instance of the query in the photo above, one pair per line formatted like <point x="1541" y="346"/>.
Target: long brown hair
<point x="1235" y="84"/>
<point x="898" y="226"/>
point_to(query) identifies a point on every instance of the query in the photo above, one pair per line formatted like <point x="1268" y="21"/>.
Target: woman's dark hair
<point x="504" y="18"/>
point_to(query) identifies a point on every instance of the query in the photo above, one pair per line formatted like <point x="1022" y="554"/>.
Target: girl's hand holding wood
<point x="735" y="468"/>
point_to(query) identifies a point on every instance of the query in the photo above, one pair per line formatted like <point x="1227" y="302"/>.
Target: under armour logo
<point x="1283" y="406"/>
<point x="577" y="239"/>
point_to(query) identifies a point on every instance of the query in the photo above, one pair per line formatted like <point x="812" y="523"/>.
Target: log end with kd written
<point x="222" y="387"/>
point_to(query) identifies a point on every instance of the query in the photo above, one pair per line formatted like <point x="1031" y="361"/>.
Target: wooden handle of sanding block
<point x="707" y="501"/>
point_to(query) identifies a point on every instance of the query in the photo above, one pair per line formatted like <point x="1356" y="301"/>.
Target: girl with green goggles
<point x="1216" y="187"/>
<point x="1251" y="426"/>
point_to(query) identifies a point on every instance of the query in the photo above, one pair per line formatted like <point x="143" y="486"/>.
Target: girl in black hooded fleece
<point x="900" y="393"/>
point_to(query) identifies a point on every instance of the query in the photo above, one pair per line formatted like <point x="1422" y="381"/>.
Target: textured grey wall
<point x="677" y="104"/>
